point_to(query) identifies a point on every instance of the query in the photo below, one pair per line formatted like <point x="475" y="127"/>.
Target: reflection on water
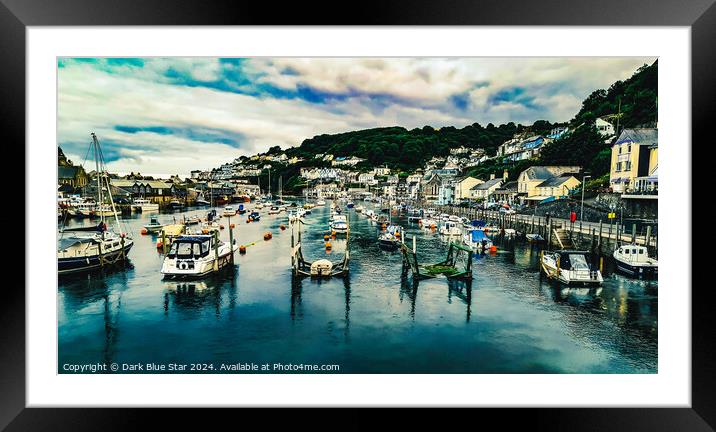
<point x="507" y="320"/>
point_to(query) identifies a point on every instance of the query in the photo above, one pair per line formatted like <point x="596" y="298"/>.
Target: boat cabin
<point x="191" y="247"/>
<point x="633" y="254"/>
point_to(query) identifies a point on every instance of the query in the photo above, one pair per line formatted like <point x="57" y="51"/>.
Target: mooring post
<point x="216" y="250"/>
<point x="231" y="239"/>
<point x="164" y="241"/>
<point x="414" y="245"/>
<point x="648" y="237"/>
<point x="599" y="242"/>
<point x="633" y="233"/>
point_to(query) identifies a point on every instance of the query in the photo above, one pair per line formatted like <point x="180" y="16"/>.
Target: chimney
<point x="492" y="176"/>
<point x="505" y="174"/>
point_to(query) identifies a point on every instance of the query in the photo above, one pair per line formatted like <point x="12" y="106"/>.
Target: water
<point x="509" y="321"/>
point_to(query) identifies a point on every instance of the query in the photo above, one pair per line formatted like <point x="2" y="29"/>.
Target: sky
<point x="164" y="116"/>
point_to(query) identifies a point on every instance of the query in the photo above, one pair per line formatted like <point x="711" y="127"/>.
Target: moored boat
<point x="154" y="225"/>
<point x="193" y="256"/>
<point x="144" y="205"/>
<point x="634" y="260"/>
<point x="570" y="267"/>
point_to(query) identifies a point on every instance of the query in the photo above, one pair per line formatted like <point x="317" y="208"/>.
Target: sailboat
<point x="87" y="248"/>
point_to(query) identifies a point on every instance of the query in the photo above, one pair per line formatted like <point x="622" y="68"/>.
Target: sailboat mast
<point x="99" y="181"/>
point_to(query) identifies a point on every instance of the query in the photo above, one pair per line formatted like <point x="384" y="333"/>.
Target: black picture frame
<point x="699" y="15"/>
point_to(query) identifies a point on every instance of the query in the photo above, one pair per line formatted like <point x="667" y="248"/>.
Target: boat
<point x="194" y="256"/>
<point x="254" y="216"/>
<point x="449" y="228"/>
<point x="534" y="238"/>
<point x="359" y="208"/>
<point x="242" y="209"/>
<point x="201" y="201"/>
<point x="350" y="204"/>
<point x="570" y="267"/>
<point x="429" y="223"/>
<point x="634" y="260"/>
<point x="87" y="248"/>
<point x="154" y="225"/>
<point x="175" y="203"/>
<point x="106" y="210"/>
<point x="339" y="224"/>
<point x="477" y="240"/>
<point x="320" y="203"/>
<point x="144" y="205"/>
<point x="229" y="211"/>
<point x="308" y="206"/>
<point x="274" y="210"/>
<point x="390" y="239"/>
<point x="192" y="220"/>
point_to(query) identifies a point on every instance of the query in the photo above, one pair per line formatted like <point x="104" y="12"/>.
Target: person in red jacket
<point x="572" y="218"/>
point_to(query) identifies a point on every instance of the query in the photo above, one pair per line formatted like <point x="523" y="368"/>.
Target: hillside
<point x="635" y="99"/>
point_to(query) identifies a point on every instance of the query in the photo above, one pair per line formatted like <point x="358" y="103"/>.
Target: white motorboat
<point x="229" y="211"/>
<point x="339" y="224"/>
<point x="391" y="238"/>
<point x="192" y="256"/>
<point x="144" y="205"/>
<point x="154" y="225"/>
<point x="570" y="267"/>
<point x="274" y="210"/>
<point x="320" y="203"/>
<point x="449" y="228"/>
<point x="359" y="208"/>
<point x="634" y="260"/>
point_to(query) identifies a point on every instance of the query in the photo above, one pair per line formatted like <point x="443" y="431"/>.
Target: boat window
<point x="205" y="247"/>
<point x="641" y="251"/>
<point x="626" y="251"/>
<point x="633" y="251"/>
<point x="184" y="250"/>
<point x="172" y="251"/>
<point x="196" y="249"/>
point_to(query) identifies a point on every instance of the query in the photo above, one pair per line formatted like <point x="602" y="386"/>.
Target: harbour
<point x="509" y="318"/>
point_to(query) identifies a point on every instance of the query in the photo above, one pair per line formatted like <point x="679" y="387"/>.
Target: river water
<point x="509" y="320"/>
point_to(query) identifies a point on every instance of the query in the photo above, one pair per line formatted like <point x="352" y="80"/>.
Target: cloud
<point x="164" y="116"/>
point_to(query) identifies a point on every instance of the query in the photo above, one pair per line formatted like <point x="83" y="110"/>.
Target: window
<point x="626" y="251"/>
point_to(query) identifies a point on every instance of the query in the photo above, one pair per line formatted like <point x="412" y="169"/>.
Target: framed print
<point x="422" y="207"/>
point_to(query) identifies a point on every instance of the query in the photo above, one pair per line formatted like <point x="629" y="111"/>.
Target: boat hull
<point x="82" y="264"/>
<point x="645" y="271"/>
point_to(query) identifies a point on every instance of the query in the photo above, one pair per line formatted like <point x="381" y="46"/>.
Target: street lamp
<point x="581" y="212"/>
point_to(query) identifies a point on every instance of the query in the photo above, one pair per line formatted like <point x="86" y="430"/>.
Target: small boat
<point x="350" y="204"/>
<point x="192" y="220"/>
<point x="90" y="248"/>
<point x="634" y="260"/>
<point x="154" y="225"/>
<point x="274" y="210"/>
<point x="308" y="206"/>
<point x="339" y="224"/>
<point x="444" y="217"/>
<point x="534" y="238"/>
<point x="202" y="202"/>
<point x="390" y="239"/>
<point x="321" y="268"/>
<point x="454" y="218"/>
<point x="229" y="211"/>
<point x="359" y="208"/>
<point x="254" y="216"/>
<point x="175" y="203"/>
<point x="429" y="223"/>
<point x="476" y="239"/>
<point x="242" y="209"/>
<point x="193" y="256"/>
<point x="106" y="210"/>
<point x="449" y="228"/>
<point x="570" y="267"/>
<point x="144" y="205"/>
<point x="320" y="203"/>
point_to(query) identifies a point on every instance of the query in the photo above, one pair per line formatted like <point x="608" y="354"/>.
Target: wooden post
<point x="216" y="250"/>
<point x="231" y="240"/>
<point x="648" y="237"/>
<point x="599" y="242"/>
<point x="633" y="233"/>
<point x="164" y="241"/>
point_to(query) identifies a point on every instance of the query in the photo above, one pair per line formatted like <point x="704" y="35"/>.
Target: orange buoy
<point x="248" y="220"/>
<point x="267" y="236"/>
<point x="493" y="248"/>
<point x="159" y="244"/>
<point x="283" y="227"/>
<point x="242" y="249"/>
<point x="333" y="233"/>
<point x="144" y="231"/>
<point x="205" y="231"/>
<point x="328" y="245"/>
<point x="221" y="226"/>
<point x="397" y="234"/>
<point x="232" y="225"/>
<point x="326" y="237"/>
